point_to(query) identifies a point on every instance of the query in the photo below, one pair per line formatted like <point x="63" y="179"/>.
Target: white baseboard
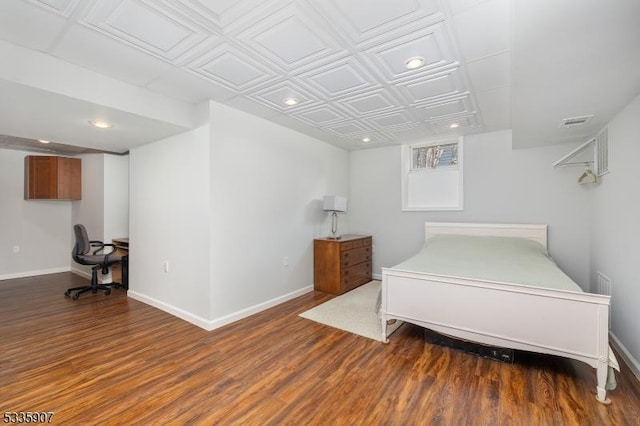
<point x="631" y="362"/>
<point x="81" y="272"/>
<point x="377" y="277"/>
<point x="34" y="273"/>
<point x="221" y="321"/>
<point x="173" y="310"/>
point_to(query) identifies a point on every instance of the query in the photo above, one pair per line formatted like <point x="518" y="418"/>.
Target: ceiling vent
<point x="575" y="121"/>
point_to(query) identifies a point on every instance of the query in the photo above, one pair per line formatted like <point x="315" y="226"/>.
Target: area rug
<point x="354" y="312"/>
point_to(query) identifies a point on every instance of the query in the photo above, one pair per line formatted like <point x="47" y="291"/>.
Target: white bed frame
<point x="557" y="322"/>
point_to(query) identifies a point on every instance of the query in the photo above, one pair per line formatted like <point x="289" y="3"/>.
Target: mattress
<point x="498" y="259"/>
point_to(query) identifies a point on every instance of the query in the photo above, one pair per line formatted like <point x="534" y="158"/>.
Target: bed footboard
<point x="556" y="322"/>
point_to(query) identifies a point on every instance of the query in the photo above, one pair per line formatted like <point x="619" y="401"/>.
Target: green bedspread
<point x="502" y="259"/>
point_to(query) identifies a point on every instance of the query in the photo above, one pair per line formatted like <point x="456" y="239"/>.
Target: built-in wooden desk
<point x="122" y="249"/>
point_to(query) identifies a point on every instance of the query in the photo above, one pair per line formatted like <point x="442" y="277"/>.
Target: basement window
<point x="434" y="156"/>
<point x="432" y="176"/>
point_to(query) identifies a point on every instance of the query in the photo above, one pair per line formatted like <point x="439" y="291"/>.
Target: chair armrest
<point x="101" y="246"/>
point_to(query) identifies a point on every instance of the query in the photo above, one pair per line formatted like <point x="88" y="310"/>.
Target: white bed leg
<point x="601" y="373"/>
<point x="383" y="320"/>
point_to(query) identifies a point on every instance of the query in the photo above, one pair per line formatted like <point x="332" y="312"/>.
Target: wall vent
<point x="602" y="153"/>
<point x="575" y="121"/>
<point x="604" y="287"/>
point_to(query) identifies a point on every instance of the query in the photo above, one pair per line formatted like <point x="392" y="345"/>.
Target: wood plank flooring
<point x="113" y="360"/>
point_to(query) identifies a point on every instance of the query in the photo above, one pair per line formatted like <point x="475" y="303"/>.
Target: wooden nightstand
<point x="341" y="265"/>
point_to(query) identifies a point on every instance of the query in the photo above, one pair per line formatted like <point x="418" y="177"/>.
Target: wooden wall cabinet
<point x="52" y="178"/>
<point x="341" y="265"/>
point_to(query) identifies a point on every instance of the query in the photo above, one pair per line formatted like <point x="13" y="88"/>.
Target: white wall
<point x="90" y="210"/>
<point x="224" y="204"/>
<point x="116" y="196"/>
<point x="501" y="185"/>
<point x="41" y="228"/>
<point x="616" y="230"/>
<point x="169" y="221"/>
<point x="267" y="183"/>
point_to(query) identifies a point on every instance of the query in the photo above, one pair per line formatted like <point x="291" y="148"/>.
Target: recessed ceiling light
<point x="100" y="124"/>
<point x="414" y="62"/>
<point x="43" y="141"/>
<point x="366" y="139"/>
<point x="454" y="125"/>
<point x="291" y="101"/>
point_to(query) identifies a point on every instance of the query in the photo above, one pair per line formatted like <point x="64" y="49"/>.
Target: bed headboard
<point x="533" y="232"/>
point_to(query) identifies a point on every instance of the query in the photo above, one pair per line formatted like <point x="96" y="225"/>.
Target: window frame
<point x="407" y="170"/>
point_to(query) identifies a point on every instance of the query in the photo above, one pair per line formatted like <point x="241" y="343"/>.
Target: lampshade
<point x="334" y="203"/>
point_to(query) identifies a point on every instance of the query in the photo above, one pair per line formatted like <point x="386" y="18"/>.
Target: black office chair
<point x="82" y="254"/>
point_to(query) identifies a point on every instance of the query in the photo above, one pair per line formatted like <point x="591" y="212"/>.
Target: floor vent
<point x="604" y="287"/>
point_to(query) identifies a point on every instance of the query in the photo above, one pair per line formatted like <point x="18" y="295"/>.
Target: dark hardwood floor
<point x="113" y="360"/>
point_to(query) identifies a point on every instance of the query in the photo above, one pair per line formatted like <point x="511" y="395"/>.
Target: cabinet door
<point x="69" y="179"/>
<point x="41" y="177"/>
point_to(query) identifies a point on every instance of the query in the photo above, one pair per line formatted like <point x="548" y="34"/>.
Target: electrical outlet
<point x="285" y="261"/>
<point x="166" y="266"/>
<point x="16" y="249"/>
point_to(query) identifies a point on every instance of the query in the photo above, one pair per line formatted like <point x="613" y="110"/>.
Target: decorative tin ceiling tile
<point x="340" y="78"/>
<point x="370" y="103"/>
<point x="363" y="20"/>
<point x="148" y="25"/>
<point x="275" y="97"/>
<point x="433" y="44"/>
<point x="63" y="7"/>
<point x="432" y="88"/>
<point x="232" y="68"/>
<point x="321" y="115"/>
<point x="291" y="39"/>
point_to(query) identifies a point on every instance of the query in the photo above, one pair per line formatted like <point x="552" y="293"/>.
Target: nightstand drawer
<point x="356" y="275"/>
<point x="355" y="256"/>
<point x="350" y="245"/>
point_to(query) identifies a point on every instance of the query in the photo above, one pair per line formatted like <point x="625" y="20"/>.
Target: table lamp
<point x="334" y="204"/>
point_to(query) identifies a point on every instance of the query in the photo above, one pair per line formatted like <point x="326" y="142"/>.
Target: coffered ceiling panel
<point x="63" y="7"/>
<point x="273" y="95"/>
<point x="371" y="102"/>
<point x="345" y="76"/>
<point x="232" y="68"/>
<point x="414" y="132"/>
<point x="349" y="128"/>
<point x="363" y="20"/>
<point x="217" y="14"/>
<point x="445" y="110"/>
<point x="290" y="38"/>
<point x="468" y="122"/>
<point x="321" y="115"/>
<point x="392" y="120"/>
<point x="148" y="25"/>
<point x="432" y="88"/>
<point x="432" y="44"/>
